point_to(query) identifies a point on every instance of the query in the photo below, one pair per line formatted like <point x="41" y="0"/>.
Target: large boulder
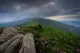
<point x="28" y="45"/>
<point x="15" y="44"/>
<point x="10" y="45"/>
<point x="7" y="34"/>
<point x="11" y="41"/>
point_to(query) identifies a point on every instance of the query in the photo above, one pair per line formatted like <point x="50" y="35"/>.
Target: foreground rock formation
<point x="11" y="41"/>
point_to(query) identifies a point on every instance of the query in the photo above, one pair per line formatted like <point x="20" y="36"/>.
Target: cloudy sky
<point x="13" y="10"/>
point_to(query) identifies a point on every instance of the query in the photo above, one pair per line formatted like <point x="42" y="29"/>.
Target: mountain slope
<point x="55" y="24"/>
<point x="74" y="23"/>
<point x="50" y="40"/>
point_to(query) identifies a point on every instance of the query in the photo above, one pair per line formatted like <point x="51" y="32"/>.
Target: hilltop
<point x="54" y="24"/>
<point x="46" y="39"/>
<point x="53" y="40"/>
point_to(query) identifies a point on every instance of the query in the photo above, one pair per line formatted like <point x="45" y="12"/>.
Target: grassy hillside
<point x="55" y="24"/>
<point x="51" y="40"/>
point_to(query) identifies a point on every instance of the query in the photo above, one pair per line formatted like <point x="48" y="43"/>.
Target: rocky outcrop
<point x="14" y="43"/>
<point x="7" y="34"/>
<point x="11" y="41"/>
<point x="28" y="44"/>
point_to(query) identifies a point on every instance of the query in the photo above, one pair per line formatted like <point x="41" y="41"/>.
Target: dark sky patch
<point x="9" y="5"/>
<point x="21" y="9"/>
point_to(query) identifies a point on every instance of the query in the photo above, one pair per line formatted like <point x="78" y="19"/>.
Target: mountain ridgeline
<point x="55" y="24"/>
<point x="35" y="38"/>
<point x="51" y="40"/>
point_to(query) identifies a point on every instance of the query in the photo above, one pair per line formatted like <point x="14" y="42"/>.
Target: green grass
<point x="54" y="40"/>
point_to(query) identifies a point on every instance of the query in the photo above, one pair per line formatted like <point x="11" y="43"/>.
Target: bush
<point x="56" y="40"/>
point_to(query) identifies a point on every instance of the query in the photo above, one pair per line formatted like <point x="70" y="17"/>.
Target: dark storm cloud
<point x="61" y="5"/>
<point x="8" y="5"/>
<point x="68" y="4"/>
<point x="33" y="2"/>
<point x="28" y="2"/>
<point x="22" y="9"/>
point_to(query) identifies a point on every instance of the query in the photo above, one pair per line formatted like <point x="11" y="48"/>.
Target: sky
<point x="75" y="17"/>
<point x="13" y="10"/>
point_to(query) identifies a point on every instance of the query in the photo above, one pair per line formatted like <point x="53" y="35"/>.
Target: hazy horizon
<point x="13" y="10"/>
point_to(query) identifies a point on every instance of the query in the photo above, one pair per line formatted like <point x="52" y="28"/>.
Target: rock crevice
<point x="13" y="42"/>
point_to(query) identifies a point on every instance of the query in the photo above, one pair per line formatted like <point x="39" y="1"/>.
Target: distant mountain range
<point x="74" y="23"/>
<point x="47" y="23"/>
<point x="56" y="24"/>
<point x="14" y="23"/>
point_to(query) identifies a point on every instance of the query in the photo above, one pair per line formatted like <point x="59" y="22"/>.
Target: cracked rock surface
<point x="11" y="41"/>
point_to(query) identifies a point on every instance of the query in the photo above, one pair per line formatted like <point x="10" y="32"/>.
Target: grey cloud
<point x="28" y="2"/>
<point x="8" y="5"/>
<point x="60" y="6"/>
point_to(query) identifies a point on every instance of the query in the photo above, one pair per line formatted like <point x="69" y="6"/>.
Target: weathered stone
<point x="11" y="43"/>
<point x="7" y="34"/>
<point x="28" y="44"/>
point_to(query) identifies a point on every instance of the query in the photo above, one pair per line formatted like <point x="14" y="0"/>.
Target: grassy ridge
<point x="54" y="24"/>
<point x="51" y="40"/>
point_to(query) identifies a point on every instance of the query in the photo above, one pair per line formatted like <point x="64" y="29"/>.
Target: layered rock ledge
<point x="11" y="41"/>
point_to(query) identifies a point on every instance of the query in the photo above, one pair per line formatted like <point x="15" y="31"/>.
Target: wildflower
<point x="78" y="50"/>
<point x="61" y="51"/>
<point x="42" y="46"/>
